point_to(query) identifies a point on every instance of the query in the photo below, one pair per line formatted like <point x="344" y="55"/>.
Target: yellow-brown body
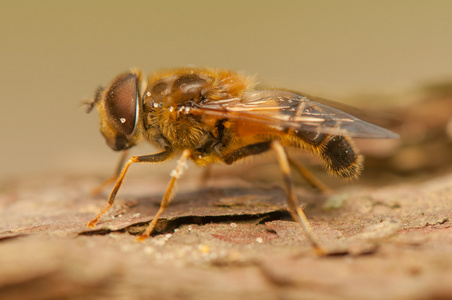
<point x="176" y="111"/>
<point x="216" y="116"/>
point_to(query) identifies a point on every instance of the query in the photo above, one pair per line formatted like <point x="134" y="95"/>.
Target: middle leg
<point x="175" y="174"/>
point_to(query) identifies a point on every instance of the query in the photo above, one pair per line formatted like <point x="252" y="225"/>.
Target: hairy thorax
<point x="167" y="126"/>
<point x="167" y="103"/>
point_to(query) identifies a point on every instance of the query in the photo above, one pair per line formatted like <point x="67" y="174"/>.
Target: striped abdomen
<point x="339" y="155"/>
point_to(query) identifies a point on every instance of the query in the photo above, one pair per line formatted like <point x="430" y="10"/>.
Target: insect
<point x="216" y="116"/>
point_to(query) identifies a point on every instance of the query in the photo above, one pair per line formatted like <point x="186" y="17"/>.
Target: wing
<point x="283" y="109"/>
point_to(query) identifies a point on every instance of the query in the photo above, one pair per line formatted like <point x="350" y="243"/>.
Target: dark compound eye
<point x="121" y="102"/>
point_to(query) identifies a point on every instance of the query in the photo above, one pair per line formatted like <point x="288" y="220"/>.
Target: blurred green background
<point x="54" y="54"/>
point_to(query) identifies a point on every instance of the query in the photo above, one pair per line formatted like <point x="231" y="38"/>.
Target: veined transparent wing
<point x="283" y="109"/>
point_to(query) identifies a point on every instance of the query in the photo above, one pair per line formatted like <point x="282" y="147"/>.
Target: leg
<point x="296" y="212"/>
<point x="114" y="177"/>
<point x="175" y="174"/>
<point x="310" y="178"/>
<point x="262" y="147"/>
<point x="246" y="151"/>
<point x="134" y="159"/>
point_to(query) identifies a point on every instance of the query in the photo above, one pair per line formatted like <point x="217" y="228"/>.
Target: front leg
<point x="98" y="189"/>
<point x="158" y="157"/>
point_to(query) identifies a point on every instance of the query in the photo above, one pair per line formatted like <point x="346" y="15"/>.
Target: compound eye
<point x="121" y="103"/>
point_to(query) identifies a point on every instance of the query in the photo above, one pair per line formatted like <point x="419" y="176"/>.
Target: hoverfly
<point x="216" y="116"/>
